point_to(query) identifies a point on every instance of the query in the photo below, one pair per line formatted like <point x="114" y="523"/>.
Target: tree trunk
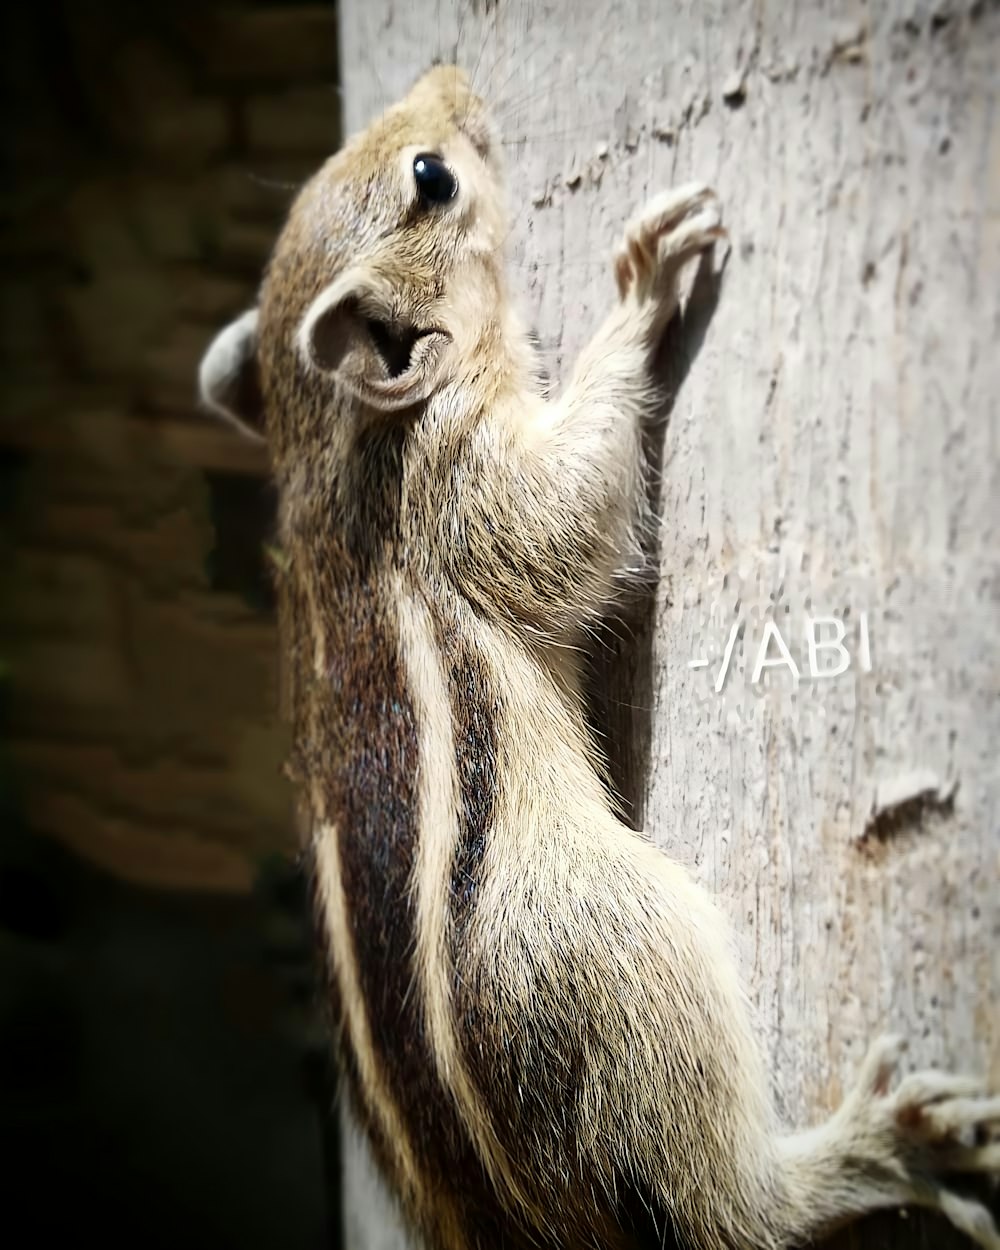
<point x="832" y="453"/>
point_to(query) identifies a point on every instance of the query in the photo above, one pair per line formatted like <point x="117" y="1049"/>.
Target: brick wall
<point x="154" y="149"/>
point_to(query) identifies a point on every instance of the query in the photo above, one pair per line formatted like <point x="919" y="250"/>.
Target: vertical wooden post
<point x="832" y="453"/>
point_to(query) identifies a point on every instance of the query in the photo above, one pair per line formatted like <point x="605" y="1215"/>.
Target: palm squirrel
<point x="539" y="1016"/>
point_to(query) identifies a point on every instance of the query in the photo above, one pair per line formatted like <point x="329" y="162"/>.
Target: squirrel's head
<point x="389" y="261"/>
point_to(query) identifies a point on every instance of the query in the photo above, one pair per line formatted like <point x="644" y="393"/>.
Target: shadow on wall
<point x="160" y="1084"/>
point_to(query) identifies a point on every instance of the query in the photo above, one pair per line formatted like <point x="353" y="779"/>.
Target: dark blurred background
<point x="163" y="1075"/>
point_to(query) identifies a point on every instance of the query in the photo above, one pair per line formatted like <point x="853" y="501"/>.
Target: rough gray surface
<point x="832" y="452"/>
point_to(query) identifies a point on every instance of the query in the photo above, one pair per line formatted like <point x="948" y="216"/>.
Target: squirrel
<point x="540" y="1021"/>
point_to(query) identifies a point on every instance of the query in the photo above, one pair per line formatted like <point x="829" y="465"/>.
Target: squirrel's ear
<point x="229" y="376"/>
<point x="354" y="331"/>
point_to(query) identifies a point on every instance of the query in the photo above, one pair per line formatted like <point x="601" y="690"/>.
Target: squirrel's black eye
<point x="435" y="181"/>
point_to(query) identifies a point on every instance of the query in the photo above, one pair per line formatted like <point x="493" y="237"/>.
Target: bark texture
<point x="831" y="451"/>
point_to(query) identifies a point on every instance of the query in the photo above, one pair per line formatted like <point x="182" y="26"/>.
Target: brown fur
<point x="546" y="1037"/>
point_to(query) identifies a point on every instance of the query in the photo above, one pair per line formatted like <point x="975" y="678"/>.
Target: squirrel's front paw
<point x="672" y="228"/>
<point x="930" y="1126"/>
